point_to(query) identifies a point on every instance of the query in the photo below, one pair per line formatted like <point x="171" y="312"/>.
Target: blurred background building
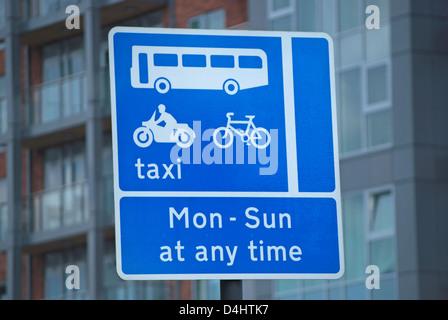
<point x="56" y="190"/>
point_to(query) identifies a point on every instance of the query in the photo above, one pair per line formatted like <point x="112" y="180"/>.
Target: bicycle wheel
<point x="223" y="133"/>
<point x="260" y="138"/>
<point x="143" y="137"/>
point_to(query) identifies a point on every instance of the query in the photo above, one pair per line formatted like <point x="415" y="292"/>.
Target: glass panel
<point x="78" y="162"/>
<point x="53" y="276"/>
<point x="351" y="49"/>
<point x="52" y="66"/>
<point x="356" y="292"/>
<point x="281" y="24"/>
<point x="195" y="23"/>
<point x="52" y="168"/>
<point x="354" y="237"/>
<point x="50" y="101"/>
<point x="350" y="110"/>
<point x="287" y="285"/>
<point x="312" y="283"/>
<point x="378" y="42"/>
<point x="3" y="115"/>
<point x="334" y="293"/>
<point x="2" y="14"/>
<point x="280" y="4"/>
<point x="3" y="86"/>
<point x="382" y="254"/>
<point x="306" y="15"/>
<point x="349" y="14"/>
<point x="75" y="55"/>
<point x="3" y="221"/>
<point x="382" y="212"/>
<point x="328" y="16"/>
<point x="313" y="295"/>
<point x="216" y="19"/>
<point x="51" y="210"/>
<point x="377" y="84"/>
<point x="386" y="291"/>
<point x="379" y="127"/>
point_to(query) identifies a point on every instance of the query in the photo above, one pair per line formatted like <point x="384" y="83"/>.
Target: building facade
<point x="393" y="137"/>
<point x="56" y="191"/>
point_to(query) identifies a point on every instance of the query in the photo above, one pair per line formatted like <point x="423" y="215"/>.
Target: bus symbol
<point x="228" y="69"/>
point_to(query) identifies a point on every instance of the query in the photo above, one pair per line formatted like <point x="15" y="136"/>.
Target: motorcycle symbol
<point x="172" y="132"/>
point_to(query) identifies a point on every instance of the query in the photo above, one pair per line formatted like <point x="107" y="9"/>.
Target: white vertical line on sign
<point x="290" y="126"/>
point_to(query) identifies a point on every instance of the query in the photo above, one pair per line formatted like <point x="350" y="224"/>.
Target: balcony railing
<point x="58" y="99"/>
<point x="57" y="208"/>
<point x="3" y="115"/>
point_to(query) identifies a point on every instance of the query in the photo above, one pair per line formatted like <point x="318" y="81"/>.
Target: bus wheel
<point x="231" y="87"/>
<point x="162" y="85"/>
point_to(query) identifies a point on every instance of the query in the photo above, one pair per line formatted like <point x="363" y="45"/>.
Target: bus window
<point x="250" y="62"/>
<point x="143" y="67"/>
<point x="194" y="60"/>
<point x="165" y="60"/>
<point x="222" y="61"/>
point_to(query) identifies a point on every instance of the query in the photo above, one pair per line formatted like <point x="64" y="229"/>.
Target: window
<point x="355" y="237"/>
<point x="194" y="60"/>
<point x="365" y="113"/>
<point x="63" y="201"/>
<point x="381" y="231"/>
<point x="369" y="239"/>
<point x="350" y="14"/>
<point x="377" y="84"/>
<point x="116" y="288"/>
<point x="250" y="62"/>
<point x="2" y="14"/>
<point x="350" y="106"/>
<point x="222" y="61"/>
<point x="165" y="60"/>
<point x="362" y="61"/>
<point x="280" y="14"/>
<point x="207" y="289"/>
<point x="306" y="15"/>
<point x="55" y="276"/>
<point x="211" y="20"/>
<point x="62" y="92"/>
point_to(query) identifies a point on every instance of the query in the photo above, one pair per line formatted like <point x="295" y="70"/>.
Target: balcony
<point x="58" y="99"/>
<point x="43" y="21"/>
<point x="57" y="208"/>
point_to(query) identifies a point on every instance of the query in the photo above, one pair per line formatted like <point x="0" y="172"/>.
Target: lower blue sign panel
<point x="241" y="237"/>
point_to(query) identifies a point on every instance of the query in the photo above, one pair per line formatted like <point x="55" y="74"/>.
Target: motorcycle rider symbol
<point x="171" y="132"/>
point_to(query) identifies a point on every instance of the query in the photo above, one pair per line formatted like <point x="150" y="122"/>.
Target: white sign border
<point x="291" y="156"/>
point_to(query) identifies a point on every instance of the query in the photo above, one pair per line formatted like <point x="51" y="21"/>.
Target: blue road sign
<point x="225" y="154"/>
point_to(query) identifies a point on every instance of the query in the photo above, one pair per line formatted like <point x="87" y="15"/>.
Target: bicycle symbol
<point x="259" y="137"/>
